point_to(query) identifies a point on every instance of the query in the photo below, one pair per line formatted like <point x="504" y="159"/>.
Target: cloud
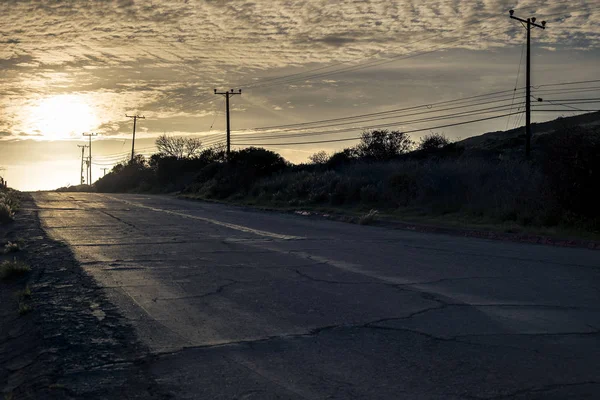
<point x="163" y="57"/>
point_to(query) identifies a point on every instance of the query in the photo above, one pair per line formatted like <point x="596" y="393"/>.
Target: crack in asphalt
<point x="219" y="290"/>
<point x="116" y="218"/>
<point x="368" y="325"/>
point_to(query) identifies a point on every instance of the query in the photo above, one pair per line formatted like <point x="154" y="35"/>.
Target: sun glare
<point x="63" y="116"/>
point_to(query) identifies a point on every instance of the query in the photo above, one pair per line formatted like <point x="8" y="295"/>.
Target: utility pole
<point x="227" y="96"/>
<point x="104" y="169"/>
<point x="82" y="156"/>
<point x="90" y="157"/>
<point x="135" y="118"/>
<point x="530" y="22"/>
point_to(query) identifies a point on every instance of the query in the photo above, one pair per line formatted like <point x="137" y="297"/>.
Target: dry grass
<point x="6" y="213"/>
<point x="13" y="269"/>
<point x="368" y="218"/>
<point x="25" y="293"/>
<point x="24" y="308"/>
<point x="12" y="247"/>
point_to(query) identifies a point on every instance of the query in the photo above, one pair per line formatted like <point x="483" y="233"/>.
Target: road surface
<point x="240" y="304"/>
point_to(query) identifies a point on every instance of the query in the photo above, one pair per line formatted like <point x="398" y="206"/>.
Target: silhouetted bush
<point x="572" y="165"/>
<point x="127" y="177"/>
<point x="433" y="141"/>
<point x="257" y="161"/>
<point x="342" y="158"/>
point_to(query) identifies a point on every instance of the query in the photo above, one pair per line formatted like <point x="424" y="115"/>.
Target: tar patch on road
<point x="74" y="343"/>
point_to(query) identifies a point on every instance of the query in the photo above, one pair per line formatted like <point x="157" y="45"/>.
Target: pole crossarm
<point x="529" y="21"/>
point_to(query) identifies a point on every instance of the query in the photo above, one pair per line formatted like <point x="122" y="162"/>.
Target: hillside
<point x="516" y="137"/>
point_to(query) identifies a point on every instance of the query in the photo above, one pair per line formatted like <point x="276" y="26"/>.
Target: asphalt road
<point x="240" y="304"/>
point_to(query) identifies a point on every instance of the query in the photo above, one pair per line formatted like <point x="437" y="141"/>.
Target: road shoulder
<point x="73" y="343"/>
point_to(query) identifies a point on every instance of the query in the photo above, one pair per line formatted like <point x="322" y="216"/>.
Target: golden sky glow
<point x="79" y="66"/>
<point x="62" y="117"/>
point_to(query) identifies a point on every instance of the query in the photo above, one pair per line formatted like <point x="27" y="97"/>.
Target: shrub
<point x="258" y="161"/>
<point x="402" y="187"/>
<point x="6" y="214"/>
<point x="24" y="308"/>
<point x="572" y="165"/>
<point x="12" y="247"/>
<point x="342" y="158"/>
<point x="368" y="218"/>
<point x="433" y="141"/>
<point x="13" y="269"/>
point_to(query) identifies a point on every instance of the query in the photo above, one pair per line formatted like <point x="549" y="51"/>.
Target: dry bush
<point x="13" y="269"/>
<point x="368" y="218"/>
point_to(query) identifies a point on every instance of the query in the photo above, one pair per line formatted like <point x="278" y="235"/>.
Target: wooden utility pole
<point x="135" y="118"/>
<point x="82" y="157"/>
<point x="90" y="157"/>
<point x="227" y="96"/>
<point x="529" y="23"/>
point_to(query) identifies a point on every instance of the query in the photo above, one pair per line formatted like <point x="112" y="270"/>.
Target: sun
<point x="63" y="116"/>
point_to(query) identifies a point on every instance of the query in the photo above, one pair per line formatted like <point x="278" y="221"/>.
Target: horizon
<point x="83" y="67"/>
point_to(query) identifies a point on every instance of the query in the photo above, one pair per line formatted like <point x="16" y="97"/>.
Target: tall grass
<point x="508" y="190"/>
<point x="9" y="204"/>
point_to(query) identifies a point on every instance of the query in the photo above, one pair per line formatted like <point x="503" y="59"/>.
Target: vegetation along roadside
<point x="484" y="181"/>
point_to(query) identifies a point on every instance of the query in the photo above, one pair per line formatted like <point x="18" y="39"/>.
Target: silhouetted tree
<point x="178" y="147"/>
<point x="320" y="157"/>
<point x="383" y="144"/>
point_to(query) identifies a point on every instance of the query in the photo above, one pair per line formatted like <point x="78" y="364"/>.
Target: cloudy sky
<point x="308" y="71"/>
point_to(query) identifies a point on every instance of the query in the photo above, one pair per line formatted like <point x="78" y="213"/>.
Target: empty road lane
<point x="239" y="304"/>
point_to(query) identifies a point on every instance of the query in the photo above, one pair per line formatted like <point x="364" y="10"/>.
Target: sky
<point x="308" y="71"/>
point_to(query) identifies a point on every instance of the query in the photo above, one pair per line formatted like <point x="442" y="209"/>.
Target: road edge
<point x="74" y="343"/>
<point x="347" y="217"/>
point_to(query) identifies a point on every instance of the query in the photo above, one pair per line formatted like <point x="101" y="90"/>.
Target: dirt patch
<point x="72" y="342"/>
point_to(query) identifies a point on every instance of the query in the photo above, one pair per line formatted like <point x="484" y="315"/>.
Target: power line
<point x="357" y="138"/>
<point x="516" y="83"/>
<point x="426" y="105"/>
<point x="395" y="116"/>
<point x="489" y="110"/>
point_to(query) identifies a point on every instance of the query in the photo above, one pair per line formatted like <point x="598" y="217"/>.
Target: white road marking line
<point x="236" y="227"/>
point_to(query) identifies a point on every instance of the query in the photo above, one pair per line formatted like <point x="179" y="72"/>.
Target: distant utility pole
<point x="104" y="169"/>
<point x="90" y="157"/>
<point x="530" y="22"/>
<point x="135" y="118"/>
<point x="227" y="96"/>
<point x="82" y="157"/>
